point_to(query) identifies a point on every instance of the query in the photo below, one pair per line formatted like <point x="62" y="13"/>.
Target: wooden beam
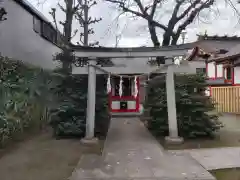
<point x="236" y="62"/>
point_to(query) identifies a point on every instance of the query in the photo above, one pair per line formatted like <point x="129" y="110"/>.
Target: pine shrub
<point x="193" y="107"/>
<point x="69" y="118"/>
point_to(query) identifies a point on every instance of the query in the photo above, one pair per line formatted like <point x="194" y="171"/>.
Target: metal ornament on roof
<point x="178" y="60"/>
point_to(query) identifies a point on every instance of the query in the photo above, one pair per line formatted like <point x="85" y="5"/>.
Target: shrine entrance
<point x="128" y="99"/>
<point x="124" y="91"/>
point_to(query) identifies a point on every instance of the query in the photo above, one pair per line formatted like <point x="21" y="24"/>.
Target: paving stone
<point x="214" y="158"/>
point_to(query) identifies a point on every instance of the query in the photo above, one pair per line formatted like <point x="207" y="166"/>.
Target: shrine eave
<point x="234" y="58"/>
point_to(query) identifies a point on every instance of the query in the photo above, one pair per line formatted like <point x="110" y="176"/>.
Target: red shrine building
<point x="132" y="101"/>
<point x="127" y="102"/>
<point x="222" y="64"/>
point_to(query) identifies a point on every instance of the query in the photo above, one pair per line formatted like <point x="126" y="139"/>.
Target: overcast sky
<point x="223" y="21"/>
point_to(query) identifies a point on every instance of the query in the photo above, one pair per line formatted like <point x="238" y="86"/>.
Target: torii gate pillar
<point x="91" y="103"/>
<point x="173" y="137"/>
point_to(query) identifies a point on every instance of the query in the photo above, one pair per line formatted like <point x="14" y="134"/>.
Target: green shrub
<point x="24" y="99"/>
<point x="192" y="105"/>
<point x="69" y="118"/>
<point x="30" y="98"/>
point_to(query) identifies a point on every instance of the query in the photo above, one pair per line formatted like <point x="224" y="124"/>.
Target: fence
<point x="227" y="99"/>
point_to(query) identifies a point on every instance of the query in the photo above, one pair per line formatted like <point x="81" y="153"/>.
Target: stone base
<point x="174" y="140"/>
<point x="88" y="141"/>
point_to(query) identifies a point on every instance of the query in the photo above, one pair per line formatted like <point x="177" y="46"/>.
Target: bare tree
<point x="182" y="15"/>
<point x="233" y="6"/>
<point x="79" y="10"/>
<point x="65" y="38"/>
<point x="82" y="15"/>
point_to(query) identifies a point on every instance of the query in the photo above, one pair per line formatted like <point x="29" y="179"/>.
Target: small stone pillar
<point x="173" y="137"/>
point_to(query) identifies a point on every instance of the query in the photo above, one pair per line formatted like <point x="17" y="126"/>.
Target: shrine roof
<point x="231" y="55"/>
<point x="218" y="38"/>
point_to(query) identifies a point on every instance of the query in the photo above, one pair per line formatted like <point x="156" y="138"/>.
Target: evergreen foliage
<point x="69" y="119"/>
<point x="193" y="107"/>
<point x="24" y="99"/>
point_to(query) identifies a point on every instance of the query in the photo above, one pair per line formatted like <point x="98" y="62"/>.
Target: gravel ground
<point x="43" y="158"/>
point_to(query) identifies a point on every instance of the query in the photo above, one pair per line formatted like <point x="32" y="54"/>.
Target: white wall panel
<point x="236" y="75"/>
<point x="115" y="105"/>
<point x="211" y="70"/>
<point x="219" y="70"/>
<point x="131" y="104"/>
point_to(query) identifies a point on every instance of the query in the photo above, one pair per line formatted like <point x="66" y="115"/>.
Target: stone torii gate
<point x="118" y="54"/>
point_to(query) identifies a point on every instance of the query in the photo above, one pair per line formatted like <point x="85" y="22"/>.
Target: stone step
<point x="127" y="114"/>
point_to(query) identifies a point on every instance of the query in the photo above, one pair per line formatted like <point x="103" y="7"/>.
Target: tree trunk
<point x="166" y="39"/>
<point x="68" y="22"/>
<point x="174" y="40"/>
<point x="66" y="60"/>
<point x="67" y="37"/>
<point x="153" y="34"/>
<point x="85" y="28"/>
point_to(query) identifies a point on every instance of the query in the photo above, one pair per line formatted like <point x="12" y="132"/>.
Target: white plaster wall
<point x="131" y="104"/>
<point x="211" y="70"/>
<point x="219" y="70"/>
<point x="18" y="40"/>
<point x="225" y="74"/>
<point x="115" y="105"/>
<point x="197" y="64"/>
<point x="236" y="75"/>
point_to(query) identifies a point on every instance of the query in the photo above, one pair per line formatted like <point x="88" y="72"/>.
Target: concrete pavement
<point x="131" y="152"/>
<point x="214" y="158"/>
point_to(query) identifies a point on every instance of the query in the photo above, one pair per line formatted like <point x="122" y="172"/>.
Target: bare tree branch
<point x="53" y="14"/>
<point x="82" y="15"/>
<point x="90" y="21"/>
<point x="234" y="8"/>
<point x="193" y="14"/>
<point x="61" y="7"/>
<point x="3" y="13"/>
<point x="75" y="33"/>
<point x="92" y="4"/>
<point x="144" y="15"/>
<point x="186" y="17"/>
<point x="155" y="3"/>
<point x="186" y="11"/>
<point x="79" y="16"/>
